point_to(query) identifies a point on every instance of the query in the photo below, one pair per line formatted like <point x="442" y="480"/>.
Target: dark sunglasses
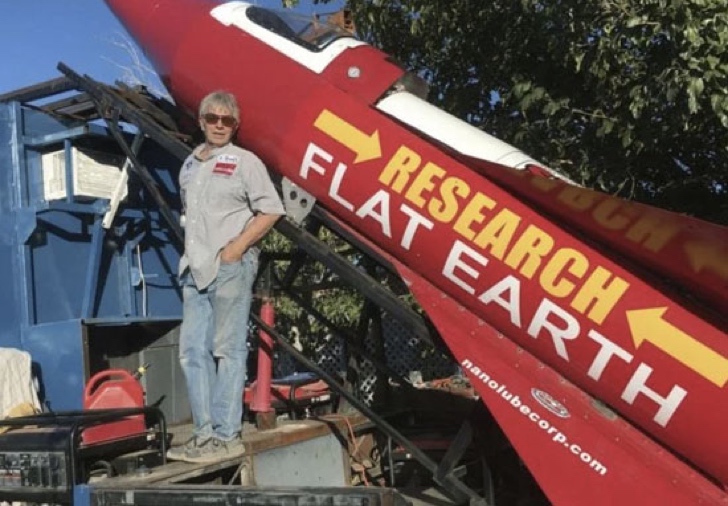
<point x="212" y="119"/>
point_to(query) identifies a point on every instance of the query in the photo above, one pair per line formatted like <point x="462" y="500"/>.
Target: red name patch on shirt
<point x="226" y="169"/>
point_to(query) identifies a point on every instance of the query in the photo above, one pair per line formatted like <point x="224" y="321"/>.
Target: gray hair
<point x="220" y="99"/>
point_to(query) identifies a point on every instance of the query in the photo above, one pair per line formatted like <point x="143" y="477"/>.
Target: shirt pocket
<point x="225" y="193"/>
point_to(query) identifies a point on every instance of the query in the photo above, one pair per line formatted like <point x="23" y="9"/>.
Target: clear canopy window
<point x="310" y="32"/>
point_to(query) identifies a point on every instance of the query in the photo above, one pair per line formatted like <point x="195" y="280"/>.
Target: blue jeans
<point x="213" y="347"/>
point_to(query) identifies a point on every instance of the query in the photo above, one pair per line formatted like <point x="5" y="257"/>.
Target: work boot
<point x="215" y="450"/>
<point x="179" y="452"/>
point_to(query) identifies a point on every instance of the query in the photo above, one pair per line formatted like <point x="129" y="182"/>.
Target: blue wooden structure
<point x="80" y="296"/>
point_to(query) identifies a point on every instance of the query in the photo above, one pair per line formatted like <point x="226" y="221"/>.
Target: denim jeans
<point x="213" y="347"/>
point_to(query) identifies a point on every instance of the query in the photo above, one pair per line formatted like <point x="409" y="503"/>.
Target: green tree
<point x="630" y="97"/>
<point x="312" y="284"/>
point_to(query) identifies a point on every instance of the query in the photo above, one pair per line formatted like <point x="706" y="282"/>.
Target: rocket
<point x="593" y="328"/>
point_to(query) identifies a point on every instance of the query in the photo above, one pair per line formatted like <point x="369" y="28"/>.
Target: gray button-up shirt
<point x="220" y="196"/>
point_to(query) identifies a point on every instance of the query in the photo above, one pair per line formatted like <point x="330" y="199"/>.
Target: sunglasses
<point x="212" y="119"/>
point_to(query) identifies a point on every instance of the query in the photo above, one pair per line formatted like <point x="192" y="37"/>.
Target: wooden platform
<point x="287" y="433"/>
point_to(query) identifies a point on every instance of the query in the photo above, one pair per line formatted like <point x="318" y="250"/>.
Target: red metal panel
<point x="535" y="281"/>
<point x="691" y="252"/>
<point x="579" y="452"/>
<point x="363" y="72"/>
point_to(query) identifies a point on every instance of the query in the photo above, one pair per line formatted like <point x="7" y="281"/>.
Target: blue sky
<point x="83" y="34"/>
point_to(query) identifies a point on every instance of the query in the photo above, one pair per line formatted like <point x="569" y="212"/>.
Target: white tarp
<point x="16" y="381"/>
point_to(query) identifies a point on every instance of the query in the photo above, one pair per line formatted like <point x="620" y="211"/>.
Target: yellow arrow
<point x="704" y="255"/>
<point x="649" y="325"/>
<point x="366" y="147"/>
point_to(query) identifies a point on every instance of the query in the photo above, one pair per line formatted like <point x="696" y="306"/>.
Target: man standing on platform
<point x="230" y="204"/>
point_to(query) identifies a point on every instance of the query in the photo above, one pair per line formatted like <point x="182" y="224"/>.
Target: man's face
<point x="218" y="125"/>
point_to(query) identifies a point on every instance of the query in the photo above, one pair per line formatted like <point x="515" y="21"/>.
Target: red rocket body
<point x="593" y="328"/>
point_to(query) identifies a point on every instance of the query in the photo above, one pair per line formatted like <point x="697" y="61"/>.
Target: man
<point x="230" y="203"/>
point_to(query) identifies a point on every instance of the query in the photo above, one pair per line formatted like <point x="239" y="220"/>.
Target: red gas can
<point x="113" y="388"/>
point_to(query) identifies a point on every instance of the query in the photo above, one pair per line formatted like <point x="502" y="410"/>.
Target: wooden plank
<point x="286" y="434"/>
<point x="40" y="90"/>
<point x="174" y="472"/>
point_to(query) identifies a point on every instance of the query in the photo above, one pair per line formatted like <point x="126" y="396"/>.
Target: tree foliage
<point x="316" y="286"/>
<point x="624" y="95"/>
